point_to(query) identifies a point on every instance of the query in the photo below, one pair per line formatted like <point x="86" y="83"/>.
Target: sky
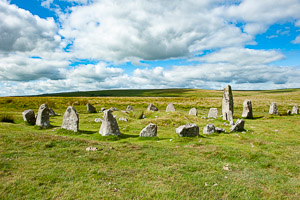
<point x="51" y="46"/>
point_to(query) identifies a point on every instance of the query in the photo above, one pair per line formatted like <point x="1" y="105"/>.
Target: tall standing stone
<point x="90" y="108"/>
<point x="29" y="116"/>
<point x="109" y="124"/>
<point x="273" y="109"/>
<point x="193" y="111"/>
<point x="227" y="103"/>
<point x="295" y="110"/>
<point x="71" y="120"/>
<point x="152" y="107"/>
<point x="149" y="131"/>
<point x="247" y="109"/>
<point x="42" y="119"/>
<point x="170" y="108"/>
<point x="213" y="113"/>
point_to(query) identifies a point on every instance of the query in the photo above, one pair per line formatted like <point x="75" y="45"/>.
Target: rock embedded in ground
<point x="129" y="108"/>
<point x="98" y="120"/>
<point x="91" y="149"/>
<point x="123" y="119"/>
<point x="109" y="125"/>
<point x="273" y="109"/>
<point x="71" y="120"/>
<point x="238" y="126"/>
<point x="90" y="108"/>
<point x="188" y="130"/>
<point x="51" y="112"/>
<point x="220" y="130"/>
<point x="295" y="110"/>
<point x="227" y="103"/>
<point x="213" y="113"/>
<point x="247" y="109"/>
<point x="209" y="129"/>
<point x="149" y="131"/>
<point x="170" y="108"/>
<point x="29" y="116"/>
<point x="113" y="109"/>
<point x="152" y="107"/>
<point x="288" y="112"/>
<point x="193" y="111"/>
<point x="42" y="119"/>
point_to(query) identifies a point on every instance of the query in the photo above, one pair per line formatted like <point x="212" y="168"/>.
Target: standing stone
<point x="213" y="113"/>
<point x="90" y="108"/>
<point x="193" y="111"/>
<point x="129" y="108"/>
<point x="273" y="109"/>
<point x="288" y="112"/>
<point x="170" y="108"/>
<point x="152" y="107"/>
<point x="29" y="116"/>
<point x="149" y="131"/>
<point x="109" y="124"/>
<point x="295" y="110"/>
<point x="51" y="112"/>
<point x="70" y="120"/>
<point x="239" y="126"/>
<point x="247" y="109"/>
<point x="230" y="117"/>
<point x="188" y="130"/>
<point x="209" y="129"/>
<point x="227" y="103"/>
<point x="42" y="118"/>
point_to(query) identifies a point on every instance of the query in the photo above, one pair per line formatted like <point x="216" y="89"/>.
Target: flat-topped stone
<point x="295" y="110"/>
<point x="213" y="113"/>
<point x="247" y="109"/>
<point x="193" y="111"/>
<point x="227" y="103"/>
<point x="273" y="109"/>
<point x="29" y="116"/>
<point x="188" y="130"/>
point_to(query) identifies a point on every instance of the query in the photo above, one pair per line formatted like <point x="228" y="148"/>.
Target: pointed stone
<point x="170" y="108"/>
<point x="193" y="111"/>
<point x="42" y="119"/>
<point x="238" y="126"/>
<point x="273" y="109"/>
<point x="129" y="108"/>
<point x="213" y="113"/>
<point x="152" y="107"/>
<point x="247" y="109"/>
<point x="188" y="130"/>
<point x="209" y="129"/>
<point x="71" y="120"/>
<point x="90" y="108"/>
<point x="295" y="110"/>
<point x="51" y="112"/>
<point x="149" y="131"/>
<point x="29" y="116"/>
<point x="227" y="103"/>
<point x="109" y="124"/>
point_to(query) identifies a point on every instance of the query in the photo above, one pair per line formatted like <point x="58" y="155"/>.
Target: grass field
<point x="260" y="163"/>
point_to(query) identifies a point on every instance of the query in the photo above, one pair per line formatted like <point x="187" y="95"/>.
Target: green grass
<point x="52" y="163"/>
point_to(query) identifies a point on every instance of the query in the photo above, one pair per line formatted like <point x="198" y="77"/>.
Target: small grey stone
<point x="188" y="130"/>
<point x="273" y="109"/>
<point x="71" y="120"/>
<point x="203" y="117"/>
<point x="98" y="120"/>
<point x="170" y="108"/>
<point x="209" y="129"/>
<point x="220" y="130"/>
<point x="152" y="107"/>
<point x="51" y="112"/>
<point x="193" y="111"/>
<point x="295" y="110"/>
<point x="109" y="125"/>
<point x="113" y="109"/>
<point x="123" y="119"/>
<point x="29" y="116"/>
<point x="239" y="126"/>
<point x="129" y="108"/>
<point x="149" y="131"/>
<point x="213" y="113"/>
<point x="91" y="149"/>
<point x="247" y="109"/>
<point x="90" y="108"/>
<point x="42" y="119"/>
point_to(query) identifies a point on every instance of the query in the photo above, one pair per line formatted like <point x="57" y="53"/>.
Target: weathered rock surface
<point x="170" y="108"/>
<point x="109" y="124"/>
<point x="149" y="131"/>
<point x="213" y="113"/>
<point x="98" y="120"/>
<point x="193" y="111"/>
<point x="273" y="109"/>
<point x="227" y="103"/>
<point x="29" y="116"/>
<point x="102" y="109"/>
<point x="209" y="129"/>
<point x="123" y="119"/>
<point x="90" y="108"/>
<point x="129" y="108"/>
<point x="295" y="110"/>
<point x="220" y="130"/>
<point x="239" y="126"/>
<point x="247" y="109"/>
<point x="188" y="130"/>
<point x="42" y="119"/>
<point x="51" y="112"/>
<point x="71" y="120"/>
<point x="91" y="149"/>
<point x="113" y="109"/>
<point x="152" y="107"/>
<point x="288" y="112"/>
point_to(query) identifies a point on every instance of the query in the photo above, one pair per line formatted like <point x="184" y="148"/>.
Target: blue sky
<point x="49" y="46"/>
